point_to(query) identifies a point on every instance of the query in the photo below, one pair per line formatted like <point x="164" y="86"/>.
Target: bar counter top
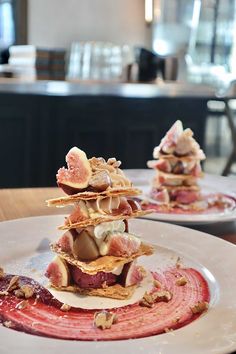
<point x="135" y="90"/>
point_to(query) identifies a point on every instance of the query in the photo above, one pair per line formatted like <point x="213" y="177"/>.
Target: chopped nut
<point x="112" y="161"/>
<point x="4" y="293"/>
<point x="147" y="300"/>
<point x="13" y="283"/>
<point x="176" y="320"/>
<point x="200" y="307"/>
<point x="104" y="319"/>
<point x="162" y="296"/>
<point x="167" y="330"/>
<point x="22" y="305"/>
<point x="18" y="293"/>
<point x="158" y="296"/>
<point x="65" y="307"/>
<point x="28" y="290"/>
<point x="1" y="273"/>
<point x="7" y="324"/>
<point x="156" y="283"/>
<point x="181" y="281"/>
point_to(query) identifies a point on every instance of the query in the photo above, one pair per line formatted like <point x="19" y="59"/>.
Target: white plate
<point x="209" y="184"/>
<point x="24" y="240"/>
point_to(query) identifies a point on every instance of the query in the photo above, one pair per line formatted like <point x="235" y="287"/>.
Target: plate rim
<point x="46" y="343"/>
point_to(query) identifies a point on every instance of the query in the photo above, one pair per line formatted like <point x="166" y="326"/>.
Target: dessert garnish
<point x="97" y="254"/>
<point x="41" y="314"/>
<point x="177" y="165"/>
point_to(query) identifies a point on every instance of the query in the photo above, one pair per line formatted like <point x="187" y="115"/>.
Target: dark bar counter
<point x="41" y="121"/>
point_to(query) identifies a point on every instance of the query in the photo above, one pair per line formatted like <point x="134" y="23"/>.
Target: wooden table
<point x="26" y="202"/>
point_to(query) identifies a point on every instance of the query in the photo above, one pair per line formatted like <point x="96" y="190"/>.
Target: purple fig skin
<point x="69" y="190"/>
<point x="131" y="275"/>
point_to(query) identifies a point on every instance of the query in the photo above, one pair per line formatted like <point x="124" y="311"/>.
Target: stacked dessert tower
<point x="97" y="255"/>
<point x="178" y="169"/>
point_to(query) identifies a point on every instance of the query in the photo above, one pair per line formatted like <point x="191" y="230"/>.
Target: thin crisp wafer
<point x="116" y="291"/>
<point x="197" y="157"/>
<point x="102" y="264"/>
<point x="169" y="175"/>
<point x="111" y="192"/>
<point x="103" y="218"/>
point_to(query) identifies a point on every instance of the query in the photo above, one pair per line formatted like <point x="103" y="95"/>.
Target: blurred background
<point x="111" y="77"/>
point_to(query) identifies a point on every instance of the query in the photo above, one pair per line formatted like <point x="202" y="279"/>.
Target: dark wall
<point x="37" y="131"/>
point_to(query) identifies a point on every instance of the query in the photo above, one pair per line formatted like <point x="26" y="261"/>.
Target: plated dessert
<point x="177" y="165"/>
<point x="99" y="257"/>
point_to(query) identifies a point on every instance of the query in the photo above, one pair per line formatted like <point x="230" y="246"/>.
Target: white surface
<point x="214" y="332"/>
<point x="209" y="184"/>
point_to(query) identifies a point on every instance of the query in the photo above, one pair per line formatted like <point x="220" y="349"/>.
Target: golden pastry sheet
<point x="112" y="192"/>
<point x="169" y="175"/>
<point x="194" y="188"/>
<point x="114" y="291"/>
<point x="103" y="218"/>
<point x="186" y="158"/>
<point x="102" y="264"/>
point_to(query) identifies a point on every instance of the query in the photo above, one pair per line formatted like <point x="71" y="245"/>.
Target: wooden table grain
<point x="26" y="202"/>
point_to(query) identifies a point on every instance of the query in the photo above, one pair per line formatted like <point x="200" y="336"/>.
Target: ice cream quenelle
<point x="177" y="165"/>
<point x="97" y="254"/>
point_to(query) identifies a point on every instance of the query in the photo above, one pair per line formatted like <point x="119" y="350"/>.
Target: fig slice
<point x="100" y="181"/>
<point x="66" y="241"/>
<point x="76" y="177"/>
<point x="85" y="247"/>
<point x="131" y="274"/>
<point x="119" y="244"/>
<point x="58" y="273"/>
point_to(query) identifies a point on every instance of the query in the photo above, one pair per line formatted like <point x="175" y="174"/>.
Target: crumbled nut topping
<point x="167" y="330"/>
<point x="22" y="305"/>
<point x="176" y="320"/>
<point x="181" y="281"/>
<point x="65" y="307"/>
<point x="148" y="300"/>
<point x="28" y="290"/>
<point x="7" y="324"/>
<point x="1" y="273"/>
<point x="18" y="293"/>
<point x="104" y="319"/>
<point x="200" y="307"/>
<point x="112" y="161"/>
<point x="13" y="284"/>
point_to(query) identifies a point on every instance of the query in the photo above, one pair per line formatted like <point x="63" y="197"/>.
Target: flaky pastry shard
<point x="103" y="264"/>
<point x="112" y="192"/>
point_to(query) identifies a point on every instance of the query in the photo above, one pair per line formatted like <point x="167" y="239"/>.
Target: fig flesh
<point x="119" y="245"/>
<point x="66" y="241"/>
<point x="131" y="275"/>
<point x="85" y="247"/>
<point x="58" y="273"/>
<point x="76" y="177"/>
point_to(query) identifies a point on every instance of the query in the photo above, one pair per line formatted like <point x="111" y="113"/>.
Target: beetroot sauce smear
<point x="43" y="317"/>
<point x="229" y="205"/>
